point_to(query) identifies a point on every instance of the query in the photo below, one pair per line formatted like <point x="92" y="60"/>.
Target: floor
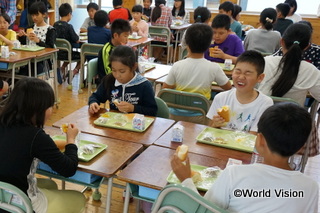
<point x="71" y="100"/>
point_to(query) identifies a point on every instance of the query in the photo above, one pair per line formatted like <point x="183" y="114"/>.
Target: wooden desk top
<point x="180" y="27"/>
<point x="19" y="56"/>
<point x="85" y="124"/>
<point x="108" y="162"/>
<point x="152" y="167"/>
<point x="191" y="131"/>
<point x="45" y="51"/>
<point x="159" y="71"/>
<point x="138" y="42"/>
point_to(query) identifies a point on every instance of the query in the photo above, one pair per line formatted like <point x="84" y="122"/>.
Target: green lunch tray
<point x="32" y="49"/>
<point x="228" y="139"/>
<point x="203" y="185"/>
<point x="120" y="121"/>
<point x="82" y="156"/>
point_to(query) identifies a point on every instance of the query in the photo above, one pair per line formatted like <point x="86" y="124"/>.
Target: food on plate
<point x="224" y="112"/>
<point x="116" y="102"/>
<point x="212" y="171"/>
<point x="88" y="149"/>
<point x="61" y="144"/>
<point x="196" y="176"/>
<point x="182" y="152"/>
<point x="219" y="140"/>
<point x="64" y="128"/>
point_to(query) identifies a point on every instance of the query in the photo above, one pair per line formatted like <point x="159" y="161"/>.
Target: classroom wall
<point x="253" y="19"/>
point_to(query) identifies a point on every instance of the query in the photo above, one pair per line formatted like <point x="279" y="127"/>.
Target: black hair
<point x="137" y="8"/>
<point x="27" y="104"/>
<point x="38" y="7"/>
<point x="182" y="10"/>
<point x="284" y="9"/>
<point x="227" y="6"/>
<point x="237" y="10"/>
<point x="201" y="14"/>
<point x="286" y="128"/>
<point x="292" y="3"/>
<point x="296" y="38"/>
<point x="65" y="9"/>
<point x="156" y="11"/>
<point x="116" y="2"/>
<point x="6" y="17"/>
<point x="124" y="55"/>
<point x="221" y="21"/>
<point x="306" y="23"/>
<point x="149" y="0"/>
<point x="101" y="18"/>
<point x="120" y="26"/>
<point x="199" y="37"/>
<point x="254" y="58"/>
<point x="93" y="6"/>
<point x="267" y="17"/>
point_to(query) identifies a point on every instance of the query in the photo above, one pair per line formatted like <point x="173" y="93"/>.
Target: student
<point x="92" y="8"/>
<point x="43" y="34"/>
<point x="146" y="10"/>
<point x="179" y="12"/>
<point x="289" y="75"/>
<point x="200" y="15"/>
<point x="65" y="30"/>
<point x="99" y="34"/>
<point x="246" y="104"/>
<point x="264" y="39"/>
<point x="292" y="15"/>
<point x="120" y="31"/>
<point x="6" y="36"/>
<point x="9" y="7"/>
<point x="161" y="16"/>
<point x="195" y="73"/>
<point x="227" y="8"/>
<point x="282" y="24"/>
<point x="236" y="12"/>
<point x="133" y="91"/>
<point x="137" y="24"/>
<point x="119" y="12"/>
<point x="4" y="86"/>
<point x="311" y="54"/>
<point x="282" y="130"/>
<point x="226" y="45"/>
<point x="23" y="151"/>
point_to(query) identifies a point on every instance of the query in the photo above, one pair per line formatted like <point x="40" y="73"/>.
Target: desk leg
<point x="127" y="199"/>
<point x="109" y="194"/>
<point x="81" y="73"/>
<point x="175" y="46"/>
<point x="55" y="76"/>
<point x="13" y="75"/>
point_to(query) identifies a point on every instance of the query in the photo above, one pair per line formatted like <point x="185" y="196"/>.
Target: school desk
<point x="179" y="32"/>
<point x="109" y="161"/>
<point x="158" y="72"/>
<point x="85" y="124"/>
<point x="140" y="43"/>
<point x="191" y="131"/>
<point x="152" y="167"/>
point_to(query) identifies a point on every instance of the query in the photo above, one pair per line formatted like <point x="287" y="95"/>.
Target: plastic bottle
<point x="256" y="158"/>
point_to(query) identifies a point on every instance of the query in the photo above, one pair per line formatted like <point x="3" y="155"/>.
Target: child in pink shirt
<point x="137" y="24"/>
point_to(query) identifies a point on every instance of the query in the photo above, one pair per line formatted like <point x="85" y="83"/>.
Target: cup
<point x="134" y="35"/>
<point x="16" y="44"/>
<point x="4" y="52"/>
<point x="227" y="64"/>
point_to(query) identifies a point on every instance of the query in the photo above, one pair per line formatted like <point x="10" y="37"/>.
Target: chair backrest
<point x="90" y="49"/>
<point x="161" y="31"/>
<point x="277" y="100"/>
<point x="163" y="110"/>
<point x="185" y="100"/>
<point x="63" y="44"/>
<point x="92" y="69"/>
<point x="12" y="199"/>
<point x="177" y="198"/>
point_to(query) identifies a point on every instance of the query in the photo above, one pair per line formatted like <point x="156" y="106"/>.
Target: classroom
<point x="159" y="106"/>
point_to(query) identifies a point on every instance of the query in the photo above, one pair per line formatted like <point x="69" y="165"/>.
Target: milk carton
<point x="138" y="122"/>
<point x="4" y="52"/>
<point x="177" y="133"/>
<point x="227" y="64"/>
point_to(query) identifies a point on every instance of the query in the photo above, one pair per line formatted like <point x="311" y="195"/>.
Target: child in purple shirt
<point x="226" y="45"/>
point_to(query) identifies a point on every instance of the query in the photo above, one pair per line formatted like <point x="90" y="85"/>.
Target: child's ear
<point x="135" y="67"/>
<point x="261" y="143"/>
<point x="260" y="77"/>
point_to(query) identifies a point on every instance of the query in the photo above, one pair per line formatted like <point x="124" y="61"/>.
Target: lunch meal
<point x="224" y="112"/>
<point x="182" y="152"/>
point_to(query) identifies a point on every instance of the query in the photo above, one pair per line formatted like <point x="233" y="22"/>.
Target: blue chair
<point x="163" y="110"/>
<point x="92" y="71"/>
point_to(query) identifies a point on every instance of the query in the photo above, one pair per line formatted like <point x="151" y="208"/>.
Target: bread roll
<point x="30" y="30"/>
<point x="182" y="152"/>
<point x="61" y="144"/>
<point x="64" y="128"/>
<point x="196" y="176"/>
<point x="224" y="112"/>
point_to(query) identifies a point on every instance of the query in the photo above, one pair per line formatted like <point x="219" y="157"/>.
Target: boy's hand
<point x="72" y="133"/>
<point x="93" y="108"/>
<point x="182" y="171"/>
<point x="125" y="107"/>
<point x="22" y="33"/>
<point x="217" y="121"/>
<point x="218" y="53"/>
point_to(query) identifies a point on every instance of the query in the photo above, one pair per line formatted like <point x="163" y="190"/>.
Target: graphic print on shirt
<point x="131" y="98"/>
<point x="240" y="121"/>
<point x="114" y="95"/>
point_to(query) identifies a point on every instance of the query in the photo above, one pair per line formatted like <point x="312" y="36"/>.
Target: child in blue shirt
<point x="99" y="34"/>
<point x="226" y="45"/>
<point x="126" y="89"/>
